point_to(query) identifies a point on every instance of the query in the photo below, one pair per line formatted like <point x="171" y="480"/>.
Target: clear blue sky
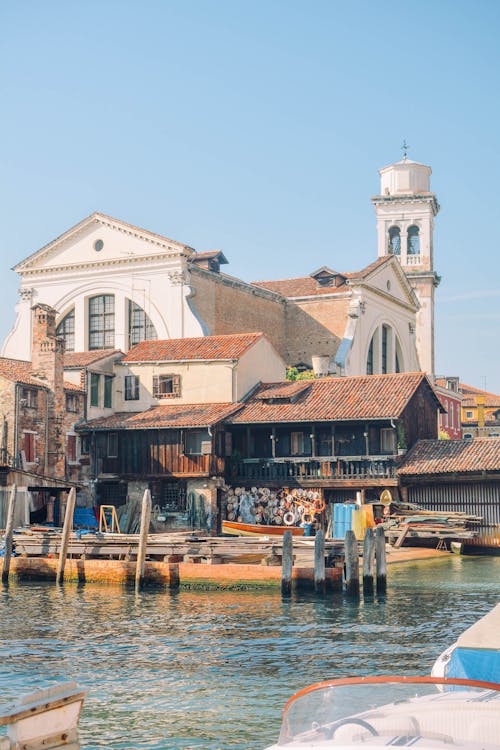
<point x="258" y="127"/>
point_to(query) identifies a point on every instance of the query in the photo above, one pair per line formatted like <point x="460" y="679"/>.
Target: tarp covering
<point x="485" y="633"/>
<point x="474" y="664"/>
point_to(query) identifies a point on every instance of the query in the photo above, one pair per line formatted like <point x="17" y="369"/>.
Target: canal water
<point x="213" y="670"/>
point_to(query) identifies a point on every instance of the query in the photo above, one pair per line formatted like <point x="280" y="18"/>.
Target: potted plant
<point x="402" y="446"/>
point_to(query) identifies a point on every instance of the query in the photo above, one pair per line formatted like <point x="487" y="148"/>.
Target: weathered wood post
<point x="368" y="561"/>
<point x="351" y="564"/>
<point x="287" y="564"/>
<point x="9" y="531"/>
<point x="68" y="524"/>
<point x="143" y="539"/>
<point x="381" y="560"/>
<point x="319" y="562"/>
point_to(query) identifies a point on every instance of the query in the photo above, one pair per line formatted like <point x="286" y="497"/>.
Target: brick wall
<point x="232" y="307"/>
<point x="314" y="327"/>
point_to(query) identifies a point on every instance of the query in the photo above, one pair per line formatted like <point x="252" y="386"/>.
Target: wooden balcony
<point x="330" y="470"/>
<point x="180" y="465"/>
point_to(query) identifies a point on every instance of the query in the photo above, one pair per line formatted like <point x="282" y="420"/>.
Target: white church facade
<point x="115" y="285"/>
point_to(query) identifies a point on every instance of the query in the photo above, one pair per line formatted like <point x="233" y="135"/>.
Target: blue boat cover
<point x="475" y="664"/>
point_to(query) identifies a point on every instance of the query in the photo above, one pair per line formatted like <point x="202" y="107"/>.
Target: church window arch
<point x="394" y="240"/>
<point x="413" y="240"/>
<point x="369" y="359"/>
<point x="385" y="348"/>
<point x="101" y="328"/>
<point x="140" y="327"/>
<point x="66" y="331"/>
<point x="399" y="365"/>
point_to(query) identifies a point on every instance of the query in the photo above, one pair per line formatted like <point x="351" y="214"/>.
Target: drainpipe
<point x="46" y="456"/>
<point x="16" y="420"/>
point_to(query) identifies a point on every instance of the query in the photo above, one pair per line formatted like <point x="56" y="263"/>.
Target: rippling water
<point x="213" y="670"/>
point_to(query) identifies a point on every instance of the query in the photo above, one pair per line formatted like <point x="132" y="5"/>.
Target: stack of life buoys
<point x="260" y="505"/>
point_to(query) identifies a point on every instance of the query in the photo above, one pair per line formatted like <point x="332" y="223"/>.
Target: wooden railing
<point x="285" y="469"/>
<point x="181" y="464"/>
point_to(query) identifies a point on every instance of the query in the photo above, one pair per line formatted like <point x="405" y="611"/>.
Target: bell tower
<point x="405" y="211"/>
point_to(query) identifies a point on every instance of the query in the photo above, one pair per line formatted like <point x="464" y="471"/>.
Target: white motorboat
<point x="476" y="653"/>
<point x="364" y="712"/>
<point x="43" y="720"/>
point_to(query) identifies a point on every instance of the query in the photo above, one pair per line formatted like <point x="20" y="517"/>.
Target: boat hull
<point x="233" y="528"/>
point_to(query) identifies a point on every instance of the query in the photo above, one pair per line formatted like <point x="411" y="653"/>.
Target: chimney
<point x="47" y="352"/>
<point x="321" y="365"/>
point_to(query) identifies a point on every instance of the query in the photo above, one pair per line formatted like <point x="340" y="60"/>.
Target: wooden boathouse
<point x="456" y="475"/>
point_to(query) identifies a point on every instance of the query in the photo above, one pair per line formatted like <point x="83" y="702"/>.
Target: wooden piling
<point x="143" y="539"/>
<point x="319" y="562"/>
<point x="287" y="564"/>
<point x="9" y="531"/>
<point x="68" y="524"/>
<point x="380" y="560"/>
<point x="351" y="564"/>
<point x="368" y="561"/>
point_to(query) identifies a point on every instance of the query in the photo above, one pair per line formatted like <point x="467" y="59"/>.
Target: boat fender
<point x="289" y="518"/>
<point x="319" y="505"/>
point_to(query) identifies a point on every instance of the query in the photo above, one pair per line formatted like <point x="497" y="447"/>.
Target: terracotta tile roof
<point x="72" y="387"/>
<point x="452" y="456"/>
<point x="83" y="359"/>
<point x="18" y="371"/>
<point x="470" y="393"/>
<point x="163" y="417"/>
<point x="231" y="346"/>
<point x="290" y="389"/>
<point x="306" y="286"/>
<point x="337" y="399"/>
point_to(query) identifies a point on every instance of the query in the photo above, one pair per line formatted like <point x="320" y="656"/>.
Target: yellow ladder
<point x="108" y="520"/>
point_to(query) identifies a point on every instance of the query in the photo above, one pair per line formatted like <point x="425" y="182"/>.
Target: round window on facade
<point x="98" y="245"/>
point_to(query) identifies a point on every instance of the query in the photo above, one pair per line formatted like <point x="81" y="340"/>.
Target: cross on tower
<point x="404" y="148"/>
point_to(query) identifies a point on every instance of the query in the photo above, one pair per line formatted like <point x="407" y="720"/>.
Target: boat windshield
<point x="421" y="711"/>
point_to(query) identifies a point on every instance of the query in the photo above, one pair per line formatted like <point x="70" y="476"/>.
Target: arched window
<point x="369" y="359"/>
<point x="395" y="241"/>
<point x="140" y="327"/>
<point x="385" y="346"/>
<point x="66" y="331"/>
<point x="102" y="322"/>
<point x="399" y="361"/>
<point x="413" y="240"/>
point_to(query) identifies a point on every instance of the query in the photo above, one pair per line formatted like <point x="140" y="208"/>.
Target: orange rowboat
<point x="233" y="528"/>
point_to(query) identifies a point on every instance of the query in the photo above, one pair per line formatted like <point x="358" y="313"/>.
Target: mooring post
<point x="319" y="562"/>
<point x="368" y="561"/>
<point x="287" y="564"/>
<point x="351" y="564"/>
<point x="143" y="539"/>
<point x="9" y="531"/>
<point x="68" y="524"/>
<point x="381" y="560"/>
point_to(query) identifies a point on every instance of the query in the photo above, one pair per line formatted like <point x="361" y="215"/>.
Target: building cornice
<point x="101" y="219"/>
<point x="380" y="200"/>
<point x="102" y="264"/>
<point x="235" y="284"/>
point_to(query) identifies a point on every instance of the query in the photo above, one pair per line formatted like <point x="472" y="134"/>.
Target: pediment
<point x="100" y="239"/>
<point x="389" y="279"/>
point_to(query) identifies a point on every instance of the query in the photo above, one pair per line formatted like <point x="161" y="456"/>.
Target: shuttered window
<point x="108" y="391"/>
<point x="94" y="388"/>
<point x="29" y="447"/>
<point x="71" y="448"/>
<point x="166" y="386"/>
